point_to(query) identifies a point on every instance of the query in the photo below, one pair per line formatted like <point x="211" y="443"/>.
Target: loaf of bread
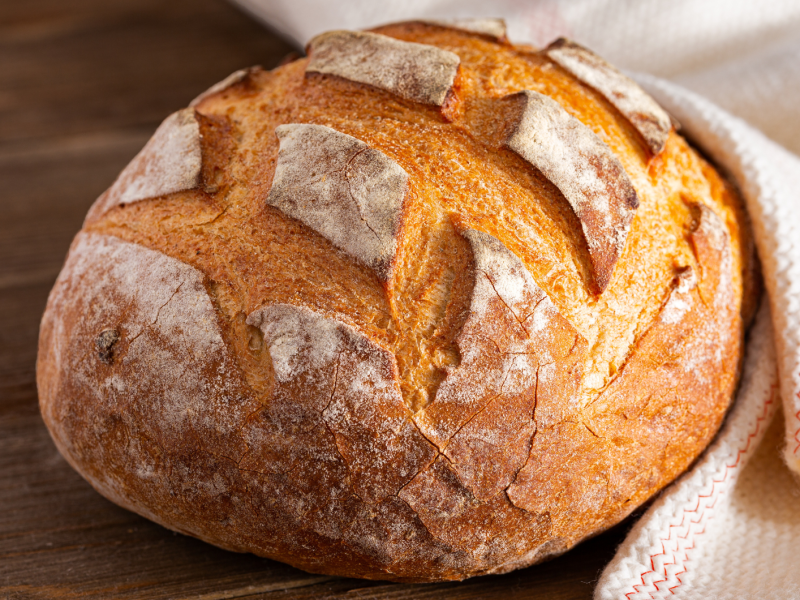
<point x="422" y="306"/>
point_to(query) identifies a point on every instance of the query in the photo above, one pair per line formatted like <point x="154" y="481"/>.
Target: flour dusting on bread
<point x="417" y="72"/>
<point x="636" y="105"/>
<point x="343" y="189"/>
<point x="172" y="377"/>
<point x="680" y="300"/>
<point x="165" y="321"/>
<point x="585" y="170"/>
<point x="170" y="162"/>
<point x="298" y="340"/>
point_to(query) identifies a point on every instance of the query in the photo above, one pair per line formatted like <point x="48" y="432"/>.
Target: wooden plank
<point x="100" y="65"/>
<point x="48" y="187"/>
<point x="82" y="86"/>
<point x="569" y="577"/>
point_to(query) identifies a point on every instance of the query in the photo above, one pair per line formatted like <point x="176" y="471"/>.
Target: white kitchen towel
<point x="729" y="530"/>
<point x="729" y="527"/>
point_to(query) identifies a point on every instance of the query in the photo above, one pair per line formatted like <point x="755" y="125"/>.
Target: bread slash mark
<point x="585" y="171"/>
<point x="351" y="194"/>
<point x="170" y="162"/>
<point x="636" y="105"/>
<point x="485" y="407"/>
<point x="416" y="72"/>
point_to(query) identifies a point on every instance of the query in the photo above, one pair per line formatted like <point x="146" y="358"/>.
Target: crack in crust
<point x="366" y="413"/>
<point x="636" y="105"/>
<point x="416" y="72"/>
<point x="346" y="191"/>
<point x="170" y="162"/>
<point x="482" y="417"/>
<point x="453" y="514"/>
<point x="586" y="172"/>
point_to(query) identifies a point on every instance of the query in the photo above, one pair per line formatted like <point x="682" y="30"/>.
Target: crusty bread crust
<point x="438" y="380"/>
<point x="585" y="171"/>
<point x="638" y="107"/>
<point x="342" y="189"/>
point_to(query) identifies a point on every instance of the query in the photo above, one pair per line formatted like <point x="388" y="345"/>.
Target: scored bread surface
<point x="416" y="72"/>
<point x="585" y="171"/>
<point x="170" y="162"/>
<point x="644" y="113"/>
<point x="371" y="314"/>
<point x="343" y="189"/>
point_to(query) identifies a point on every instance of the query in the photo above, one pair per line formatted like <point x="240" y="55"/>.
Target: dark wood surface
<point x="83" y="83"/>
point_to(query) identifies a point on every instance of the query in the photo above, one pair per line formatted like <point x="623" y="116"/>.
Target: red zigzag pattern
<point x="797" y="433"/>
<point x="699" y="512"/>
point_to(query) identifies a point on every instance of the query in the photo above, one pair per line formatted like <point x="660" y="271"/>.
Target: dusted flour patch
<point x="412" y="71"/>
<point x="454" y="515"/>
<point x="636" y="105"/>
<point x="227" y="83"/>
<point x="585" y="170"/>
<point x="493" y="28"/>
<point x="298" y="340"/>
<point x="162" y="323"/>
<point x="343" y="189"/>
<point x="679" y="300"/>
<point x="149" y="370"/>
<point x="483" y="415"/>
<point x="365" y="410"/>
<point x="170" y="162"/>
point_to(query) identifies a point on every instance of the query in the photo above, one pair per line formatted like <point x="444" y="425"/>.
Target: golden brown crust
<point x="493" y="28"/>
<point x="459" y="401"/>
<point x="585" y="171"/>
<point x="644" y="113"/>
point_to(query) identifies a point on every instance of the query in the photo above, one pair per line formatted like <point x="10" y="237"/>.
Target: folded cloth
<point x="726" y="528"/>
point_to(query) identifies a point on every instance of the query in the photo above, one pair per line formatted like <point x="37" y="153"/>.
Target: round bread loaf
<point x="422" y="306"/>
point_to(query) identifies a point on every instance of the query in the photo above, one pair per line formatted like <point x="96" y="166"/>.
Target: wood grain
<point x="83" y="84"/>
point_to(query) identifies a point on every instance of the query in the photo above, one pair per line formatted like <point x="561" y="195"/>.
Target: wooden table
<point x="83" y="84"/>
